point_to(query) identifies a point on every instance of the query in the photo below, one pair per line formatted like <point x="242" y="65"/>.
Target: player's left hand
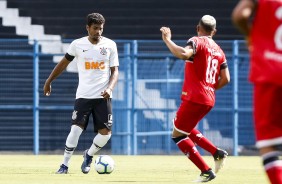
<point x="106" y="93"/>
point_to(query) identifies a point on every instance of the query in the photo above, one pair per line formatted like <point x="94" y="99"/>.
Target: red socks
<point x="187" y="146"/>
<point x="198" y="138"/>
<point x="273" y="167"/>
<point x="275" y="174"/>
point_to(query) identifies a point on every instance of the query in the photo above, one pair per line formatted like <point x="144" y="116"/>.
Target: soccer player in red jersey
<point x="264" y="38"/>
<point x="205" y="71"/>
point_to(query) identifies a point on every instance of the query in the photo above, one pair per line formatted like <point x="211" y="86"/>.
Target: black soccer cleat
<point x="85" y="166"/>
<point x="206" y="176"/>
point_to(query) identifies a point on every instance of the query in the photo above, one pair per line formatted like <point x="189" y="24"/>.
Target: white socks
<point x="98" y="142"/>
<point x="71" y="143"/>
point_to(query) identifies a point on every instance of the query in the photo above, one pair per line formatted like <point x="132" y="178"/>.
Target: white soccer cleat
<point x="219" y="159"/>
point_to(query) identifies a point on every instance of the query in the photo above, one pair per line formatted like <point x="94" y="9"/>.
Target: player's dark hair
<point x="207" y="27"/>
<point x="95" y="18"/>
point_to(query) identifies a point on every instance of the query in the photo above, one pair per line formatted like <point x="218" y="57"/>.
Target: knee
<point x="178" y="139"/>
<point x="105" y="131"/>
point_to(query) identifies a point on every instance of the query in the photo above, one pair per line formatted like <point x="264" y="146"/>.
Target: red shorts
<point x="188" y="116"/>
<point x="268" y="114"/>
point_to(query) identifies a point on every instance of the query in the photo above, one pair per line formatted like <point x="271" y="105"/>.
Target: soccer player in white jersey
<point x="97" y="63"/>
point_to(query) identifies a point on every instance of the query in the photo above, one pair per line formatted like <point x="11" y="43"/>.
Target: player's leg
<point x="268" y="126"/>
<point x="272" y="164"/>
<point x="102" y="119"/>
<point x="80" y="118"/>
<point x="186" y="119"/>
<point x="198" y="138"/>
<point x="99" y="141"/>
<point x="186" y="145"/>
<point x="218" y="154"/>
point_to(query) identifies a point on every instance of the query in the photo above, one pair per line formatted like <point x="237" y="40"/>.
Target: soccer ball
<point x="104" y="164"/>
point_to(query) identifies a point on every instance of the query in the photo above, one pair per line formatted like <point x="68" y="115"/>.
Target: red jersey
<point x="266" y="43"/>
<point x="202" y="71"/>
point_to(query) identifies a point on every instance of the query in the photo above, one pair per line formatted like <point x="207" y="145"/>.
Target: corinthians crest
<point x="103" y="51"/>
<point x="74" y="115"/>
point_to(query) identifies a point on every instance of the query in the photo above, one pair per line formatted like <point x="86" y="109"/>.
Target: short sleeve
<point x="114" y="56"/>
<point x="71" y="49"/>
<point x="224" y="64"/>
<point x="193" y="42"/>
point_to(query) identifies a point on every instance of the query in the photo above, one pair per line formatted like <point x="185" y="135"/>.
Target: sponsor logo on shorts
<point x="110" y="121"/>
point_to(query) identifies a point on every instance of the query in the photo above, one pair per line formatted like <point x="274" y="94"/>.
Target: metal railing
<point x="135" y="107"/>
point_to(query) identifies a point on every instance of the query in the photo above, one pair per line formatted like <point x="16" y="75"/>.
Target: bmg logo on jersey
<point x="94" y="65"/>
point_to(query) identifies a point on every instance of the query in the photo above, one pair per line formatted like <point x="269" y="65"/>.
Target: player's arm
<point x="58" y="69"/>
<point x="112" y="82"/>
<point x="224" y="76"/>
<point x="177" y="51"/>
<point x="242" y="14"/>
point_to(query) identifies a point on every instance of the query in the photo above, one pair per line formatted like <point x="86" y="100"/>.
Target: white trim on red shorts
<point x="269" y="142"/>
<point x="181" y="131"/>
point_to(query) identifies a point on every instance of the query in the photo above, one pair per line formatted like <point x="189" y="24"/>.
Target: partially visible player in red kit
<point x="264" y="38"/>
<point x="205" y="71"/>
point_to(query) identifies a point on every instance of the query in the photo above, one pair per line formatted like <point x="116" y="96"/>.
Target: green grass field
<point x="30" y="169"/>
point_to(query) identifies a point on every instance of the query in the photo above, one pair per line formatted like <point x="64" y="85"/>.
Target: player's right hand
<point x="47" y="89"/>
<point x="166" y="33"/>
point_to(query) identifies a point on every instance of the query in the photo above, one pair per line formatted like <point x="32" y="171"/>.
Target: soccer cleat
<point x="85" y="167"/>
<point x="63" y="170"/>
<point x="219" y="159"/>
<point x="206" y="176"/>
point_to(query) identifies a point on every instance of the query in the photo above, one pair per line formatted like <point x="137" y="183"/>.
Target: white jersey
<point x="93" y="64"/>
